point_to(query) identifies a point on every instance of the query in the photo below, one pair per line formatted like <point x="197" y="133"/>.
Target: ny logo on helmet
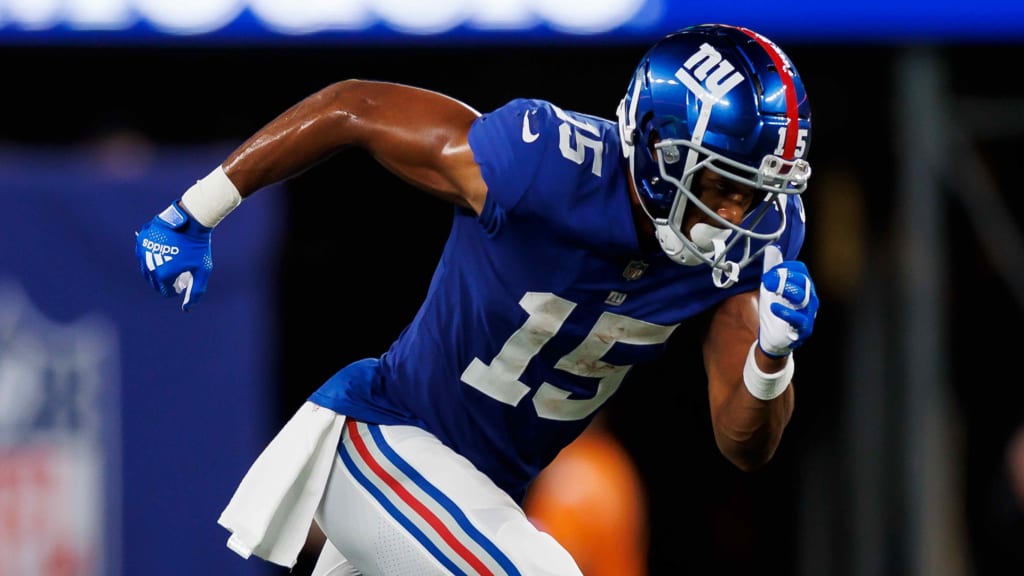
<point x="708" y="75"/>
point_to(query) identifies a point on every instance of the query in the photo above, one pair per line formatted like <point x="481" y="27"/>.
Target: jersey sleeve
<point x="510" y="145"/>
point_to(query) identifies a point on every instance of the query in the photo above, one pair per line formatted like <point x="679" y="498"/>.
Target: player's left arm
<point x="748" y="356"/>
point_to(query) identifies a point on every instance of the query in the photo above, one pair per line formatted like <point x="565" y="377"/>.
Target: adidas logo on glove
<point x="158" y="254"/>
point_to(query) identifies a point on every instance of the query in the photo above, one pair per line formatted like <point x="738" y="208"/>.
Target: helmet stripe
<point x="786" y="74"/>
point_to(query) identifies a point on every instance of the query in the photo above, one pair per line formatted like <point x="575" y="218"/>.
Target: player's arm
<point x="748" y="356"/>
<point x="747" y="429"/>
<point x="420" y="135"/>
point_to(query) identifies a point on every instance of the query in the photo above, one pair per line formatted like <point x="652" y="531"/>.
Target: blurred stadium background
<point x="125" y="424"/>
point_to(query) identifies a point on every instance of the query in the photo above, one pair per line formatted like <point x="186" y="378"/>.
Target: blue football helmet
<point x="721" y="98"/>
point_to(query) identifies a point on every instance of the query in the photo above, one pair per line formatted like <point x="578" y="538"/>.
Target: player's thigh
<point x="398" y="501"/>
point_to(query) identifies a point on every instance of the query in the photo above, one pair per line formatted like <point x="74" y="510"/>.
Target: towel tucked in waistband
<point x="272" y="509"/>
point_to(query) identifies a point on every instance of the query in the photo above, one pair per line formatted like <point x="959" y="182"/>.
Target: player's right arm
<point x="419" y="135"/>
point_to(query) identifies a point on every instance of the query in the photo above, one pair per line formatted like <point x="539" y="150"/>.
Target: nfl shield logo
<point x="634" y="270"/>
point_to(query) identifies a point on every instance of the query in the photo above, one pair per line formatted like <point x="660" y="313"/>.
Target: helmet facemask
<point x="679" y="163"/>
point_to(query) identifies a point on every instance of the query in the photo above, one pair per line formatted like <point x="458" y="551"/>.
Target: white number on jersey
<point x="572" y="129"/>
<point x="547" y="313"/>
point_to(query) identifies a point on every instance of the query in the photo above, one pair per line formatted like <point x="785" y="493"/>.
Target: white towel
<point x="272" y="509"/>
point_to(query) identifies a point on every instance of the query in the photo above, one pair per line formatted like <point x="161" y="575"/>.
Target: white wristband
<point x="211" y="199"/>
<point x="762" y="385"/>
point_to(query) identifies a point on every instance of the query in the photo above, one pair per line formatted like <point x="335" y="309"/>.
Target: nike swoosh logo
<point x="528" y="136"/>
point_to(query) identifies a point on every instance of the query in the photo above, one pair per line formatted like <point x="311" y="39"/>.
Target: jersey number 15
<point x="547" y="312"/>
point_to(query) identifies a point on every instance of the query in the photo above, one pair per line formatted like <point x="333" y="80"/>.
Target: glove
<point x="787" y="305"/>
<point x="174" y="254"/>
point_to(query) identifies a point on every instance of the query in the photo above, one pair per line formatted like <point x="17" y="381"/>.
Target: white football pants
<point x="399" y="502"/>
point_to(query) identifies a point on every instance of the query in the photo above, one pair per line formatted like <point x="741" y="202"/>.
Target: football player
<point x="578" y="246"/>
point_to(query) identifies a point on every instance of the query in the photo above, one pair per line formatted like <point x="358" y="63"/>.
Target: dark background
<point x="360" y="247"/>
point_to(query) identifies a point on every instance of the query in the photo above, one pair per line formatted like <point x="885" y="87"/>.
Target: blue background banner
<point x="189" y="404"/>
<point x="267" y="22"/>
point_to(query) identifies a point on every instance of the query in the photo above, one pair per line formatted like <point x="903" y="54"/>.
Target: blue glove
<point x="174" y="254"/>
<point x="788" y="304"/>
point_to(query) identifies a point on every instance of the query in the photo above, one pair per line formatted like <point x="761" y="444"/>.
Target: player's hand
<point x="788" y="304"/>
<point x="174" y="255"/>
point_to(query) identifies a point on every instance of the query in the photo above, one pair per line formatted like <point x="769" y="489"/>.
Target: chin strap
<point x="725" y="274"/>
<point x="730" y="277"/>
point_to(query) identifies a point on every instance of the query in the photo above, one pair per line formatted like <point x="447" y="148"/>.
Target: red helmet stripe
<point x="786" y="73"/>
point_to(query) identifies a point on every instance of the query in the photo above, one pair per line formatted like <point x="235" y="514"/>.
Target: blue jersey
<point x="539" y="306"/>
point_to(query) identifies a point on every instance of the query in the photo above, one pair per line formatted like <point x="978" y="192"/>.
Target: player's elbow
<point x="747" y="453"/>
<point x="748" y="435"/>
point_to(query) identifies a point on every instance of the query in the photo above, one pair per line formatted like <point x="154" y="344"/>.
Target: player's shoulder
<point x="533" y="144"/>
